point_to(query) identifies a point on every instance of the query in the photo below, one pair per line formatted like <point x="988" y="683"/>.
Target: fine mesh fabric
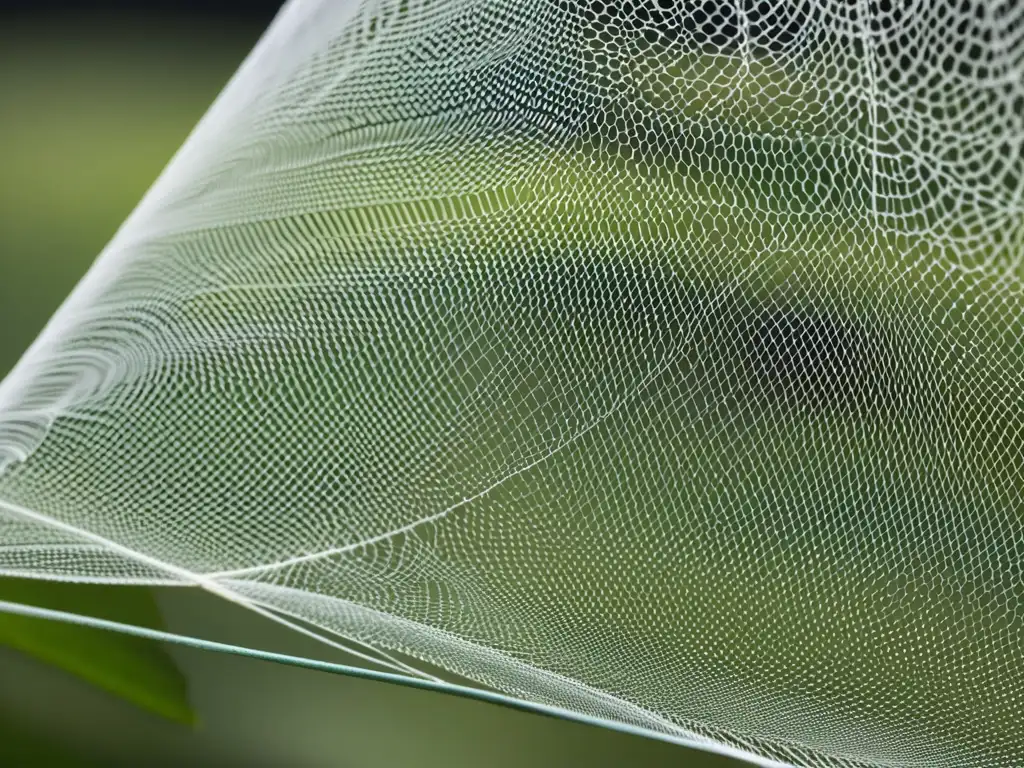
<point x="661" y="361"/>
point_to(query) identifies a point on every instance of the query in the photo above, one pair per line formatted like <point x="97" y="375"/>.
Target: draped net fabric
<point x="661" y="361"/>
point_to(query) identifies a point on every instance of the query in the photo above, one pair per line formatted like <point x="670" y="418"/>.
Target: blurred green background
<point x="94" y="104"/>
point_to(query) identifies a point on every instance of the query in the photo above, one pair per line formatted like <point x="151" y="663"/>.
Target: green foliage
<point x="137" y="670"/>
<point x="21" y="748"/>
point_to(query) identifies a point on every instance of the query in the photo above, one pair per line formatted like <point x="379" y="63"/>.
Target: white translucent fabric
<point x="659" y="361"/>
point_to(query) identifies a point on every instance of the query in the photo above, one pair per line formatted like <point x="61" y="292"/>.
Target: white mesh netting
<point x="660" y="361"/>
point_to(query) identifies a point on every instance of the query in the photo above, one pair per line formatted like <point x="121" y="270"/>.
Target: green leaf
<point x="137" y="670"/>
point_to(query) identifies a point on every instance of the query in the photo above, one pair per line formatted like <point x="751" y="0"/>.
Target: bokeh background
<point x="95" y="99"/>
